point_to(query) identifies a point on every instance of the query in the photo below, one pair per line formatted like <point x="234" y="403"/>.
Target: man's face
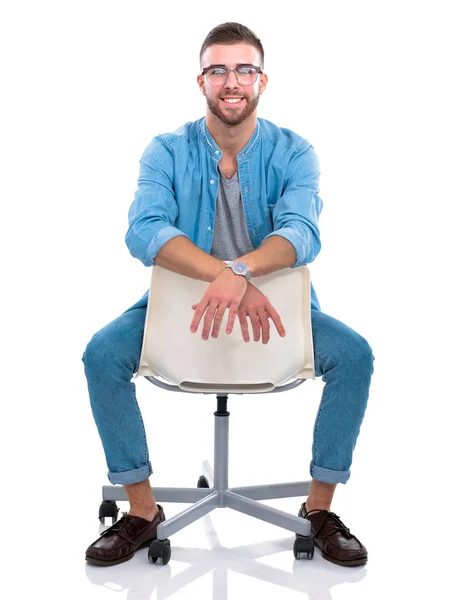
<point x="231" y="56"/>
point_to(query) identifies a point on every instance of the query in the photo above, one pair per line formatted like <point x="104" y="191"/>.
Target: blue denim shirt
<point x="178" y="185"/>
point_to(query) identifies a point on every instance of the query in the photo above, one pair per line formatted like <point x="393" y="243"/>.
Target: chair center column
<point x="221" y="444"/>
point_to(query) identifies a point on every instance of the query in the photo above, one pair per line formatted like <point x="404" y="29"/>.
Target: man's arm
<point x="295" y="239"/>
<point x="274" y="253"/>
<point x="296" y="213"/>
<point x="154" y="211"/>
<point x="180" y="255"/>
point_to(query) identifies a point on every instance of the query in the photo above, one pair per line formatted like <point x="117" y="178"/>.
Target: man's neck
<point x="231" y="140"/>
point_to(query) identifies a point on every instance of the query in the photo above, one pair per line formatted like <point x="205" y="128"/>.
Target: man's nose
<point x="231" y="80"/>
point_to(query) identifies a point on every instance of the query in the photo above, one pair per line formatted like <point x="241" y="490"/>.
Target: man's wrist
<point x="239" y="268"/>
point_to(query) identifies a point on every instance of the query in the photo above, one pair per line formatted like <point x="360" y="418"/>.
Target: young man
<point x="227" y="187"/>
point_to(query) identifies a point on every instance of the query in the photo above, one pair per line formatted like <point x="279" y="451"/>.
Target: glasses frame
<point x="206" y="69"/>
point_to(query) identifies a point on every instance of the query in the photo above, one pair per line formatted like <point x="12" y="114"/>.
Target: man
<point x="227" y="187"/>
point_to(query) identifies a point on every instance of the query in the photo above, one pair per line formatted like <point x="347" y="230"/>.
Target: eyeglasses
<point x="218" y="74"/>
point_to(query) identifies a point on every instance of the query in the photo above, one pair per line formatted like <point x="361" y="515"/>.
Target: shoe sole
<point x="342" y="563"/>
<point x="345" y="563"/>
<point x="108" y="563"/>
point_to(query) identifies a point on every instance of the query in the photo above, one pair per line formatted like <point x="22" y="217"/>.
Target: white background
<point x="86" y="85"/>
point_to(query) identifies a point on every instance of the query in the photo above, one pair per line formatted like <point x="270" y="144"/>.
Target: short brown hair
<point x="232" y="33"/>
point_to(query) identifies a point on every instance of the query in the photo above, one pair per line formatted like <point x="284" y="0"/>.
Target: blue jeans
<point x="343" y="359"/>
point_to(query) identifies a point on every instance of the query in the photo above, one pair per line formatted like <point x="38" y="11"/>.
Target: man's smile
<point x="232" y="101"/>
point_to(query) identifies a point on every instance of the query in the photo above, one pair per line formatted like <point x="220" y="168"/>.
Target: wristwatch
<point x="240" y="268"/>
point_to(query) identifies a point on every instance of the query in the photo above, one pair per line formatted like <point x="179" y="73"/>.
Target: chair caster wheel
<point x="303" y="545"/>
<point x="159" y="550"/>
<point x="108" y="508"/>
<point x="203" y="482"/>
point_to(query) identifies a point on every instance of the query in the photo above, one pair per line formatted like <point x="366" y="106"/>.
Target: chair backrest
<point x="171" y="353"/>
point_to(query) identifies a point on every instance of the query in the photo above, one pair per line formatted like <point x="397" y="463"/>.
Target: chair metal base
<point x="219" y="495"/>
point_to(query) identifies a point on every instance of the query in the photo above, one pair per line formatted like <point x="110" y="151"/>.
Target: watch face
<point x="240" y="267"/>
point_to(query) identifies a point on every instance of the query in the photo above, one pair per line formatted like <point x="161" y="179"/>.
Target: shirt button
<point x="246" y="189"/>
<point x="209" y="228"/>
<point x="211" y="181"/>
<point x="216" y="151"/>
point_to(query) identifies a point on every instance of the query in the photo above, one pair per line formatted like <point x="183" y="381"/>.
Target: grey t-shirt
<point x="230" y="237"/>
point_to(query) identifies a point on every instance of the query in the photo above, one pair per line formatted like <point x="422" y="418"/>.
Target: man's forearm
<point x="182" y="256"/>
<point x="274" y="253"/>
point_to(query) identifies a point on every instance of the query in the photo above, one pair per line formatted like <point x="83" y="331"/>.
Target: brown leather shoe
<point x="119" y="542"/>
<point x="334" y="539"/>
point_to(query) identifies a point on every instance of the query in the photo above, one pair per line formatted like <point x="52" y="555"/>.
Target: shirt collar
<point x="216" y="152"/>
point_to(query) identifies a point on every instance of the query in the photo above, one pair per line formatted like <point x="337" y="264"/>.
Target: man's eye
<point x="246" y="70"/>
<point x="216" y="72"/>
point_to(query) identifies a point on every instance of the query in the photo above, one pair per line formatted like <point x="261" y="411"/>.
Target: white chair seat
<point x="171" y="353"/>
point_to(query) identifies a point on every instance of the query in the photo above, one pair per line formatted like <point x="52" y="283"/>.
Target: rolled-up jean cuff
<point x="134" y="476"/>
<point x="329" y="475"/>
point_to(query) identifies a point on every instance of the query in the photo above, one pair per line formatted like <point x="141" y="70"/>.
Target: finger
<point x="244" y="326"/>
<point x="263" y="316"/>
<point x="232" y="314"/>
<point x="218" y="319"/>
<point x="198" y="314"/>
<point x="272" y="312"/>
<point x="255" y="322"/>
<point x="208" y="319"/>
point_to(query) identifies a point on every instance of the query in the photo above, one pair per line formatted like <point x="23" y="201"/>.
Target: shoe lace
<point x="124" y="527"/>
<point x="332" y="524"/>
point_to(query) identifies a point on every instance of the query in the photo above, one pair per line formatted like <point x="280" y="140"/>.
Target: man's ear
<point x="201" y="84"/>
<point x="263" y="83"/>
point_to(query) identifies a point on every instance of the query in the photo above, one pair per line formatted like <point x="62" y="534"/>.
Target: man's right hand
<point x="224" y="292"/>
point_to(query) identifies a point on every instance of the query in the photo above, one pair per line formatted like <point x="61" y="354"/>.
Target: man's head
<point x="232" y="46"/>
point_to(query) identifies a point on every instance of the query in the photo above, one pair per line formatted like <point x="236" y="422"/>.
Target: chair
<point x="177" y="360"/>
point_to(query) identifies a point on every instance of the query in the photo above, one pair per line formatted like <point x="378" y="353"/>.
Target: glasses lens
<point x="246" y="75"/>
<point x="216" y="76"/>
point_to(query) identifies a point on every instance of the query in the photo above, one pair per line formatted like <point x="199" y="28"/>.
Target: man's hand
<point x="258" y="308"/>
<point x="254" y="305"/>
<point x="226" y="291"/>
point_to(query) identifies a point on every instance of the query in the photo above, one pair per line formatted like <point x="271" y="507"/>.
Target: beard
<point x="233" y="117"/>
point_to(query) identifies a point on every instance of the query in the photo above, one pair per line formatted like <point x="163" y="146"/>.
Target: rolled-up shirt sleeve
<point x="296" y="212"/>
<point x="154" y="211"/>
